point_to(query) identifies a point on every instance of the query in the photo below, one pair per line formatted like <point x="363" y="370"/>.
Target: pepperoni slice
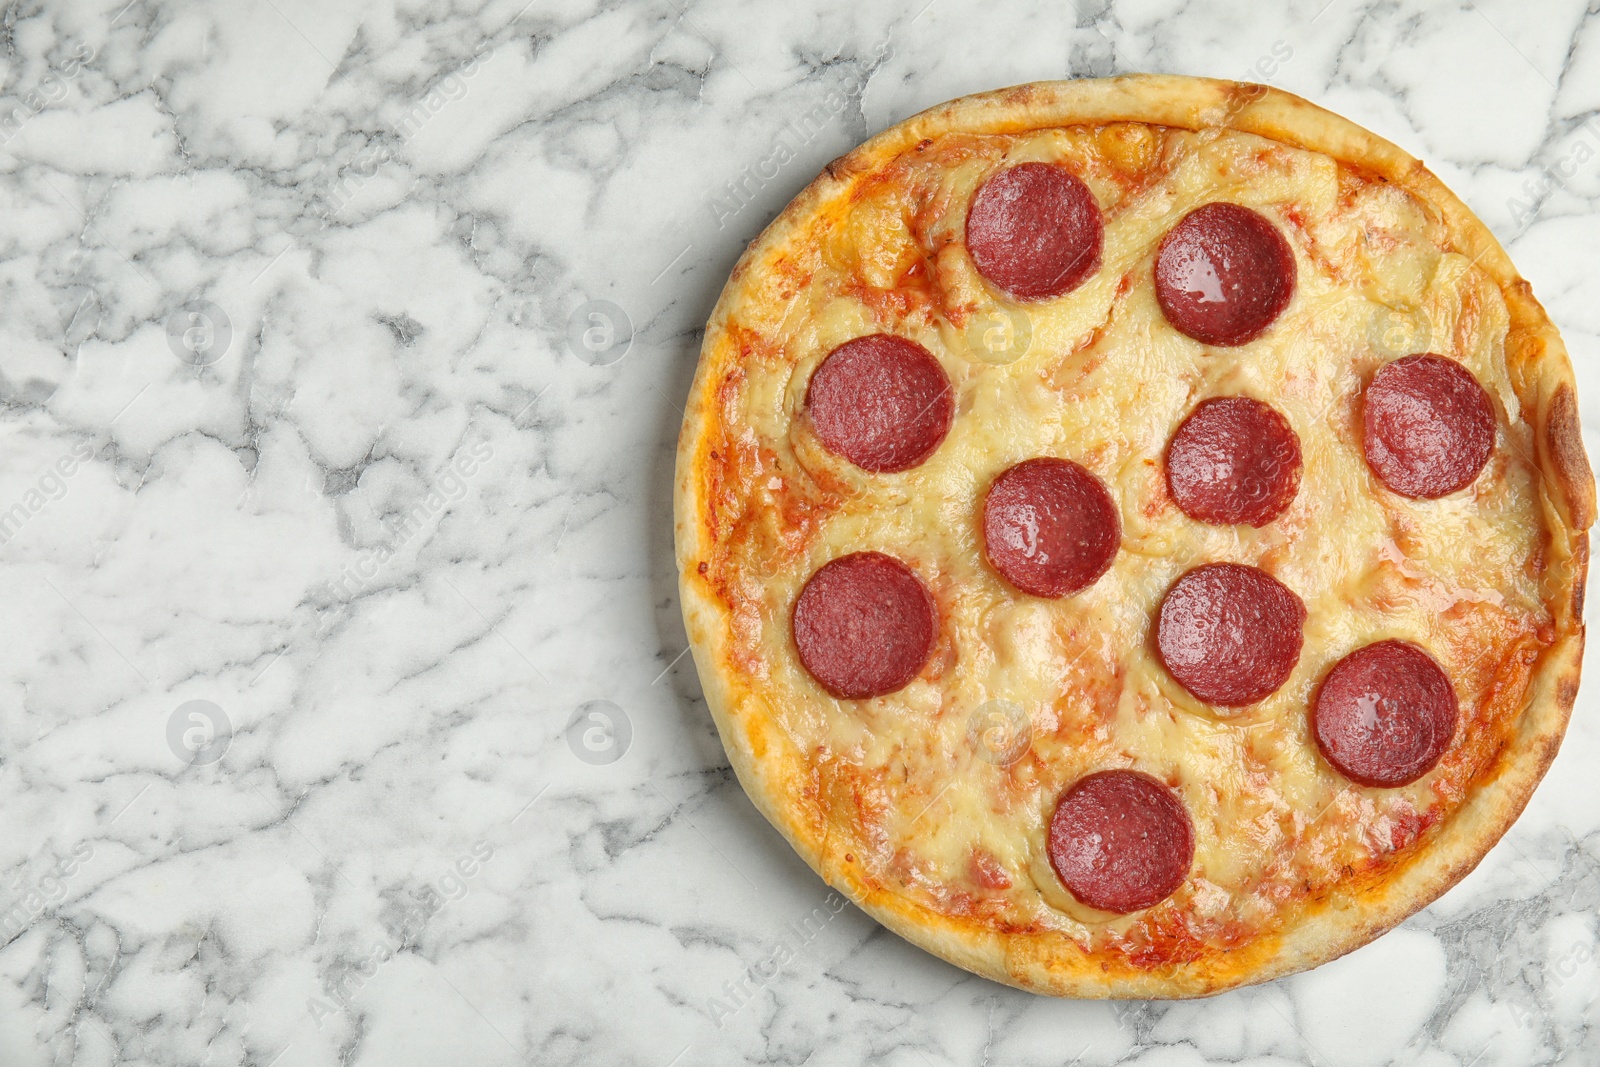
<point x="1035" y="231"/>
<point x="882" y="402"/>
<point x="1121" y="841"/>
<point x="1429" y="427"/>
<point x="1224" y="274"/>
<point x="1233" y="460"/>
<point x="1230" y="634"/>
<point x="864" y="625"/>
<point x="1385" y="714"/>
<point x="1050" y="527"/>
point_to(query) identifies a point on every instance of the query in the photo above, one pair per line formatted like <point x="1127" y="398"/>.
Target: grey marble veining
<point x="344" y="717"/>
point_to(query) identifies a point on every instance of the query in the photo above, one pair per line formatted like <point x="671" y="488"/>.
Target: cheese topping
<point x="922" y="782"/>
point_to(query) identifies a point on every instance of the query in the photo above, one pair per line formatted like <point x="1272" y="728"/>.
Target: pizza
<point x="1131" y="533"/>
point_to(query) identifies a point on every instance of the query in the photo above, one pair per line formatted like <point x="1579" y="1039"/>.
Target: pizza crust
<point x="775" y="774"/>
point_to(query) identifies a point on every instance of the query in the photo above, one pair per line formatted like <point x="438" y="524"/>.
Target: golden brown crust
<point x="775" y="774"/>
<point x="1571" y="463"/>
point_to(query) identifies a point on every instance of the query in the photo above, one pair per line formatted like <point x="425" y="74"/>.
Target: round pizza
<point x="1132" y="533"/>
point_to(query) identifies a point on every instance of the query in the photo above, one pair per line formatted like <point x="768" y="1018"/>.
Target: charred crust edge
<point x="1580" y="574"/>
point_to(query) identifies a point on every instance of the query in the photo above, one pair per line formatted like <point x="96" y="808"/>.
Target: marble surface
<point x="344" y="716"/>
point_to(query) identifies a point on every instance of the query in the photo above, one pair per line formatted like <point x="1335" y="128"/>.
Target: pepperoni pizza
<point x="1132" y="533"/>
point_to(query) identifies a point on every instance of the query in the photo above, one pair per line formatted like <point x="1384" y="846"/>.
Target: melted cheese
<point x="1098" y="376"/>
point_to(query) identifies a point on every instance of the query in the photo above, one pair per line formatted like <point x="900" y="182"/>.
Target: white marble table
<point x="316" y="535"/>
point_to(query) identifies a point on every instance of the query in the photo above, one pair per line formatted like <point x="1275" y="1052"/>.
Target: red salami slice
<point x="1121" y="841"/>
<point x="1234" y="460"/>
<point x="1035" y="231"/>
<point x="1429" y="426"/>
<point x="864" y="625"/>
<point x="882" y="402"/>
<point x="1385" y="714"/>
<point x="1230" y="634"/>
<point x="1050" y="527"/>
<point x="1224" y="274"/>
